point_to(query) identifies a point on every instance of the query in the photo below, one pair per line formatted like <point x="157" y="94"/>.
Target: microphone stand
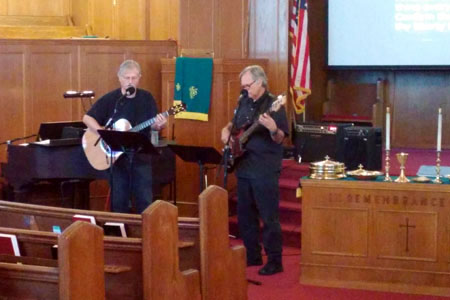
<point x="8" y="142"/>
<point x="129" y="91"/>
<point x="110" y="122"/>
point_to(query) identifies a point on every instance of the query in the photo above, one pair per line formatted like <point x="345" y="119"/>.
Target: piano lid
<point x="58" y="130"/>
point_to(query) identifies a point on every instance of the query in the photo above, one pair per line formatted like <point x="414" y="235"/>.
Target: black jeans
<point x="141" y="181"/>
<point x="259" y="198"/>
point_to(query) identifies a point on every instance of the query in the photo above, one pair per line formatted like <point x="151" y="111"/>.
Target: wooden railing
<point x="41" y="27"/>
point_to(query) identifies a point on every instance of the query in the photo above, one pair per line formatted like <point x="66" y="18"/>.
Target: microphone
<point x="130" y="90"/>
<point x="244" y="94"/>
<point x="76" y="94"/>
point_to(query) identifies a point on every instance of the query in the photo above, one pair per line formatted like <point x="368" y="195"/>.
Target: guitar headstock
<point x="277" y="104"/>
<point x="177" y="108"/>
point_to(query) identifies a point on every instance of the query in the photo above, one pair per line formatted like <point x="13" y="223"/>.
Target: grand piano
<point x="63" y="162"/>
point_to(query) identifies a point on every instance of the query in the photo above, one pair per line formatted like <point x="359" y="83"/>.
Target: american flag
<point x="300" y="81"/>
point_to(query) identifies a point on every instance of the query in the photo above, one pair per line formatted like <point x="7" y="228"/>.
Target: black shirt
<point x="262" y="155"/>
<point x="136" y="110"/>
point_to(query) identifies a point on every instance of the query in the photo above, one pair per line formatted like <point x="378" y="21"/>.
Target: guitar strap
<point x="264" y="106"/>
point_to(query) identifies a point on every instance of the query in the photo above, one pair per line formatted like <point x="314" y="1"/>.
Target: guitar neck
<point x="274" y="107"/>
<point x="252" y="128"/>
<point x="147" y="123"/>
<point x="248" y="132"/>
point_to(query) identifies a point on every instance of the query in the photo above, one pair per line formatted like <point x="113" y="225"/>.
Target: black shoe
<point x="270" y="269"/>
<point x="254" y="262"/>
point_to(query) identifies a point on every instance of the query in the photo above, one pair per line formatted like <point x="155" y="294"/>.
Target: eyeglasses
<point x="247" y="86"/>
<point x="130" y="78"/>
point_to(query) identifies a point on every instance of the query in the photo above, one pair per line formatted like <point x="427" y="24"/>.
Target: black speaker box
<point x="314" y="141"/>
<point x="360" y="145"/>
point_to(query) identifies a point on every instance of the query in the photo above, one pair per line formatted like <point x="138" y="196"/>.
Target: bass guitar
<point x="236" y="147"/>
<point x="98" y="153"/>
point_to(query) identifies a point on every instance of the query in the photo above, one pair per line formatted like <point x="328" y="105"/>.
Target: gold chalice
<point x="402" y="157"/>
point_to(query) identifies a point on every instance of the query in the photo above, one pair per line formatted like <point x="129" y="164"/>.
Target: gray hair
<point x="257" y="72"/>
<point x="128" y="65"/>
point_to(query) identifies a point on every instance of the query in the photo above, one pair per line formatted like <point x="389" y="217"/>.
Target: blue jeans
<point x="131" y="181"/>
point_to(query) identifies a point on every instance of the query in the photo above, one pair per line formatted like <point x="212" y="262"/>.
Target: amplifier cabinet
<point x="360" y="145"/>
<point x="314" y="141"/>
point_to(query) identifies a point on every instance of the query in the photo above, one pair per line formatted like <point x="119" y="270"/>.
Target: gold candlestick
<point x="386" y="167"/>
<point x="438" y="168"/>
<point x="402" y="157"/>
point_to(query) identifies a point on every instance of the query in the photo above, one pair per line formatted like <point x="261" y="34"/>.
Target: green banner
<point x="193" y="80"/>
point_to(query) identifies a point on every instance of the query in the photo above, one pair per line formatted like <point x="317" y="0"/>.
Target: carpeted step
<point x="290" y="179"/>
<point x="288" y="189"/>
<point x="291" y="232"/>
<point x="292" y="169"/>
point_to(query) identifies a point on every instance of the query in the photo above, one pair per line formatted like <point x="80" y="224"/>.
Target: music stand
<point x="129" y="142"/>
<point x="199" y="155"/>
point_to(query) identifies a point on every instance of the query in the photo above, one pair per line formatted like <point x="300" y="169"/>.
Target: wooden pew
<point x="39" y="217"/>
<point x="79" y="274"/>
<point x="221" y="267"/>
<point x="122" y="256"/>
<point x="162" y="277"/>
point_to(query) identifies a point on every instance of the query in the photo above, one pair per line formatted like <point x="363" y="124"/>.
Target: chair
<point x="359" y="103"/>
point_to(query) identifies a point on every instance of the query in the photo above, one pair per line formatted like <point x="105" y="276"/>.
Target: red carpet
<point x="286" y="285"/>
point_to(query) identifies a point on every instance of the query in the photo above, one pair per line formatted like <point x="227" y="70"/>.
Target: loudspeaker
<point x="360" y="145"/>
<point x="314" y="141"/>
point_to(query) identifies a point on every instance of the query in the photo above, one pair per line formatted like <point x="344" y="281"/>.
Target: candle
<point x="439" y="131"/>
<point x="388" y="129"/>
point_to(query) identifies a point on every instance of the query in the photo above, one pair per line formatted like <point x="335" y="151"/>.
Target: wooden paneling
<point x="80" y="12"/>
<point x="35" y="75"/>
<point x="116" y="19"/>
<point x="317" y="39"/>
<point x="217" y="26"/>
<point x="51" y="71"/>
<point x="269" y="39"/>
<point x="12" y="99"/>
<point x="95" y="58"/>
<point x="102" y="17"/>
<point x="3" y="7"/>
<point x="36" y="7"/>
<point x="164" y="16"/>
<point x="130" y="20"/>
<point x="196" y="20"/>
<point x="415" y="100"/>
<point x="230" y="29"/>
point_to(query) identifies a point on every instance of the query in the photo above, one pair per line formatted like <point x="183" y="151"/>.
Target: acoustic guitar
<point x="236" y="147"/>
<point x="98" y="153"/>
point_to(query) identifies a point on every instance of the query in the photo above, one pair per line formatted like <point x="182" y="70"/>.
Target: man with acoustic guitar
<point x="126" y="106"/>
<point x="262" y="121"/>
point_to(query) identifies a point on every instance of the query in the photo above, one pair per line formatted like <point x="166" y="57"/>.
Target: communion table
<point x="376" y="235"/>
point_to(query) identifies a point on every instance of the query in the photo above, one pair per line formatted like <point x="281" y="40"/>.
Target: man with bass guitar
<point x="261" y="119"/>
<point x="134" y="105"/>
